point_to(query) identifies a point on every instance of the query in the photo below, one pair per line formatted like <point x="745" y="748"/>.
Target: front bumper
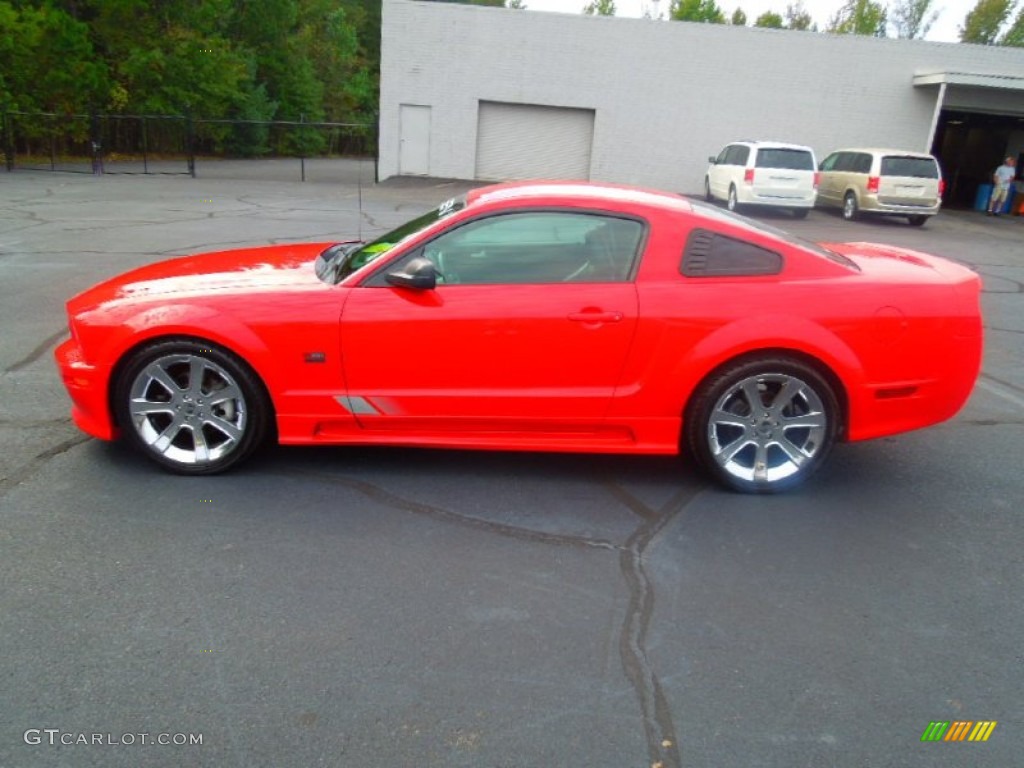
<point x="87" y="386"/>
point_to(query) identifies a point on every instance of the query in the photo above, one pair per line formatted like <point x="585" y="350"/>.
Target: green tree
<point x="47" y="62"/>
<point x="515" y="5"/>
<point x="983" y="22"/>
<point x="797" y="17"/>
<point x="859" y="17"/>
<point x="706" y="11"/>
<point x="600" y="8"/>
<point x="1014" y="36"/>
<point x="912" y="18"/>
<point x="770" y="20"/>
<point x="739" y="18"/>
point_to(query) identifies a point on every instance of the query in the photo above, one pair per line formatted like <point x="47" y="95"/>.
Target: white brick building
<point x="475" y="92"/>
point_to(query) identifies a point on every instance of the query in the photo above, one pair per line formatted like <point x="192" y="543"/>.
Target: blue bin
<point x="984" y="195"/>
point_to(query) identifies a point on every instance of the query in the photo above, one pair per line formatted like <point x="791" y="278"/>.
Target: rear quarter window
<point x="790" y="159"/>
<point x="709" y="254"/>
<point x="915" y="167"/>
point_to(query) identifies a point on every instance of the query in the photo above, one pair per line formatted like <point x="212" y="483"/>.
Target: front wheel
<point x="192" y="408"/>
<point x="763" y="425"/>
<point x="708" y="197"/>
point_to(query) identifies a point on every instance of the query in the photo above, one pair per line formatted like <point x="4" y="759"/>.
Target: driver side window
<point x="536" y="247"/>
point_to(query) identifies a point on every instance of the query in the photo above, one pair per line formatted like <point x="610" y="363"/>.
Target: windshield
<point x="339" y="262"/>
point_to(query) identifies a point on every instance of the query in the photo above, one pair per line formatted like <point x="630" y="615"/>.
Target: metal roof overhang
<point x="972" y="91"/>
<point x="970" y="80"/>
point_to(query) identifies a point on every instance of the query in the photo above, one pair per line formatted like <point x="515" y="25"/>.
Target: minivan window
<point x="790" y="159"/>
<point x="844" y="162"/>
<point x="916" y="167"/>
<point x="861" y="163"/>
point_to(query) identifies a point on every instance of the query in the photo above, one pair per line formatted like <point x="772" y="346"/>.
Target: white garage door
<point x="526" y="141"/>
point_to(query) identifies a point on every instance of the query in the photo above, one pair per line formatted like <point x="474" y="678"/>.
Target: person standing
<point x="1002" y="179"/>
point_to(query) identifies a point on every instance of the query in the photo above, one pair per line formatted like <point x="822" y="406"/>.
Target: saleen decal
<point x="358" y="406"/>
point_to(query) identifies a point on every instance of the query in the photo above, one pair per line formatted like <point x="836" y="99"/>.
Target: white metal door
<point x="414" y="140"/>
<point x="528" y="141"/>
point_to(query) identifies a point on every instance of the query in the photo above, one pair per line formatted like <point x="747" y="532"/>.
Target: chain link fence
<point x="172" y="144"/>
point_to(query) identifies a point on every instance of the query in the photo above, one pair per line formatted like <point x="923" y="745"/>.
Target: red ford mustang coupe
<point x="540" y="317"/>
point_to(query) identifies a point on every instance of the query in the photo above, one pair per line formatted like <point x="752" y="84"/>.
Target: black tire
<point x="732" y="203"/>
<point x="917" y="221"/>
<point x="851" y="210"/>
<point x="771" y="447"/>
<point x="801" y="213"/>
<point x="193" y="408"/>
<point x="708" y="197"/>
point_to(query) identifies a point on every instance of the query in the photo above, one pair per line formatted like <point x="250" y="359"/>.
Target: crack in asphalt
<point x="659" y="726"/>
<point x="1017" y="284"/>
<point x="39" y="351"/>
<point x="656" y="713"/>
<point x="1003" y="330"/>
<point x="1006" y="384"/>
<point x="38" y="461"/>
<point x="394" y="501"/>
<point x="33" y="423"/>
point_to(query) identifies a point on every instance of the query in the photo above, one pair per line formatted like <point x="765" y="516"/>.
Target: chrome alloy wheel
<point x="188" y="409"/>
<point x="766" y="428"/>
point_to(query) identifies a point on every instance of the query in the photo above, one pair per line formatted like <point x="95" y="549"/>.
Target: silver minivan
<point x="888" y="182"/>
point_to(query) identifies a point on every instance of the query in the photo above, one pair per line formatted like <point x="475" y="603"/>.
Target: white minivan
<point x="763" y="173"/>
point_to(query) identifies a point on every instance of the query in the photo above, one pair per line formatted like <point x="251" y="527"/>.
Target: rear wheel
<point x="763" y="425"/>
<point x="851" y="211"/>
<point x="801" y="213"/>
<point x="732" y="203"/>
<point x="917" y="221"/>
<point x="192" y="408"/>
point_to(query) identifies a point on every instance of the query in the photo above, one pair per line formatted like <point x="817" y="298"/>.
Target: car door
<point x="525" y="332"/>
<point x="719" y="173"/>
<point x="829" y="182"/>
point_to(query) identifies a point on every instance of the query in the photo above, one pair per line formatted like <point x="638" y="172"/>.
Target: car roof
<point x="884" y="151"/>
<point x="774" y="145"/>
<point x="578" y="191"/>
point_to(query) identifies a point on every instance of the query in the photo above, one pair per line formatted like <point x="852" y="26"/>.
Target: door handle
<point x="595" y="317"/>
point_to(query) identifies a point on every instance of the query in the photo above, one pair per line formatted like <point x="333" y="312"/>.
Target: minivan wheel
<point x="851" y="211"/>
<point x="707" y="190"/>
<point x="800" y="213"/>
<point x="733" y="204"/>
<point x="917" y="221"/>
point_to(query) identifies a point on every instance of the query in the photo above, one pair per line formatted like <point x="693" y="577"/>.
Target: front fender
<point x="191" y="320"/>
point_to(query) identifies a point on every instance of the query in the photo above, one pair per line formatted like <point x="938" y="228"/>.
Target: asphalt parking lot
<point x="392" y="607"/>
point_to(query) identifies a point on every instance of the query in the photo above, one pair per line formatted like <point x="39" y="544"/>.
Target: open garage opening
<point x="969" y="146"/>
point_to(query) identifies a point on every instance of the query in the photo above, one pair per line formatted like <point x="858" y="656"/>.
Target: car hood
<point x="270" y="269"/>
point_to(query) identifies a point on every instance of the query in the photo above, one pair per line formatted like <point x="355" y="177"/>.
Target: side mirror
<point x="419" y="273"/>
<point x="713" y="159"/>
